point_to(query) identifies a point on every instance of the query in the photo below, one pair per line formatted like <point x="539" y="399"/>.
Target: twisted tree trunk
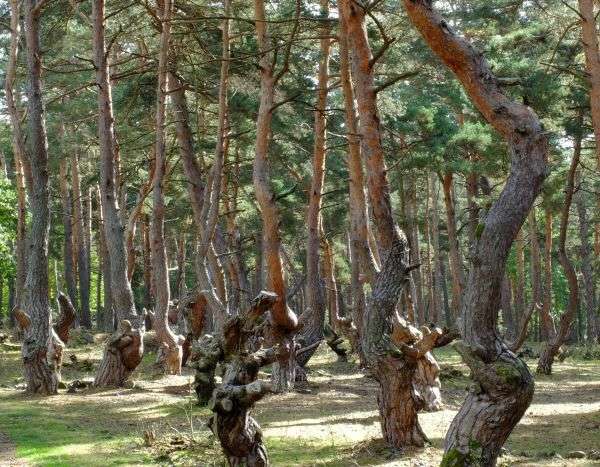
<point x="392" y="360"/>
<point x="125" y="349"/>
<point x="505" y="386"/>
<point x="170" y="351"/>
<point x="239" y="434"/>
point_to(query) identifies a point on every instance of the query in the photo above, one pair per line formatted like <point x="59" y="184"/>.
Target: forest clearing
<point x="331" y="421"/>
<point x="299" y="232"/>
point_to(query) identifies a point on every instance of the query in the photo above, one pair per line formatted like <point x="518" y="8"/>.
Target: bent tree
<point x="170" y="352"/>
<point x="393" y="349"/>
<point x="41" y="370"/>
<point x="504" y="384"/>
<point x="283" y="320"/>
<point x="124" y="351"/>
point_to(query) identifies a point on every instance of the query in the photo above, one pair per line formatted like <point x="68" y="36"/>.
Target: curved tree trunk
<point x="65" y="319"/>
<point x="170" y="351"/>
<point x="124" y="350"/>
<point x="391" y="359"/>
<point x="312" y="319"/>
<point x="239" y="434"/>
<point x="283" y="319"/>
<point x="41" y="368"/>
<point x="566" y="320"/>
<point x="505" y="385"/>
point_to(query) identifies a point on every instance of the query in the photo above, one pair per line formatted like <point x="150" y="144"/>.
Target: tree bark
<point x="283" y="320"/>
<point x="107" y="322"/>
<point x="124" y="350"/>
<point x="83" y="266"/>
<point x="231" y="402"/>
<point x="566" y="320"/>
<point x="456" y="264"/>
<point x="505" y="386"/>
<point x="587" y="271"/>
<point x="65" y="319"/>
<point x="68" y="255"/>
<point x="415" y="249"/>
<point x="22" y="169"/>
<point x="589" y="35"/>
<point x="547" y="323"/>
<point x="312" y="319"/>
<point x="40" y="366"/>
<point x="170" y="351"/>
<point x="393" y="364"/>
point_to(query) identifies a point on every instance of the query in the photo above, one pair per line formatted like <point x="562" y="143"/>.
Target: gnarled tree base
<point x="399" y="403"/>
<point x="122" y="355"/>
<point x="493" y="407"/>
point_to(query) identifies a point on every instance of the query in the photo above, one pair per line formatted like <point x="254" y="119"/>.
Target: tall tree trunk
<point x="456" y="264"/>
<point x="505" y="385"/>
<point x="284" y="321"/>
<point x="546" y="321"/>
<point x="438" y="277"/>
<point x="312" y="319"/>
<point x="415" y="249"/>
<point x="124" y="351"/>
<point x="40" y="364"/>
<point x="83" y="266"/>
<point x="107" y="322"/>
<point x="68" y="255"/>
<point x="589" y="35"/>
<point x="566" y="320"/>
<point x="363" y="262"/>
<point x="22" y="169"/>
<point x="390" y="359"/>
<point x="587" y="272"/>
<point x="170" y="351"/>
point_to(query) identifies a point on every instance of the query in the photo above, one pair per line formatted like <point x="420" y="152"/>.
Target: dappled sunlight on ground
<point x="332" y="420"/>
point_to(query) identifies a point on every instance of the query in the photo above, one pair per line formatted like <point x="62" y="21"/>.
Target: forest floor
<point x="332" y="421"/>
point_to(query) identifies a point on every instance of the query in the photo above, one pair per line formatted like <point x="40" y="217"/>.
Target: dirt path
<point x="7" y="453"/>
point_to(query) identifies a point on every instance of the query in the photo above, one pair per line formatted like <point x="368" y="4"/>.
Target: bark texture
<point x="232" y="400"/>
<point x="505" y="386"/>
<point x="283" y="319"/>
<point x="312" y="319"/>
<point x="126" y="345"/>
<point x="170" y="352"/>
<point x="38" y="351"/>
